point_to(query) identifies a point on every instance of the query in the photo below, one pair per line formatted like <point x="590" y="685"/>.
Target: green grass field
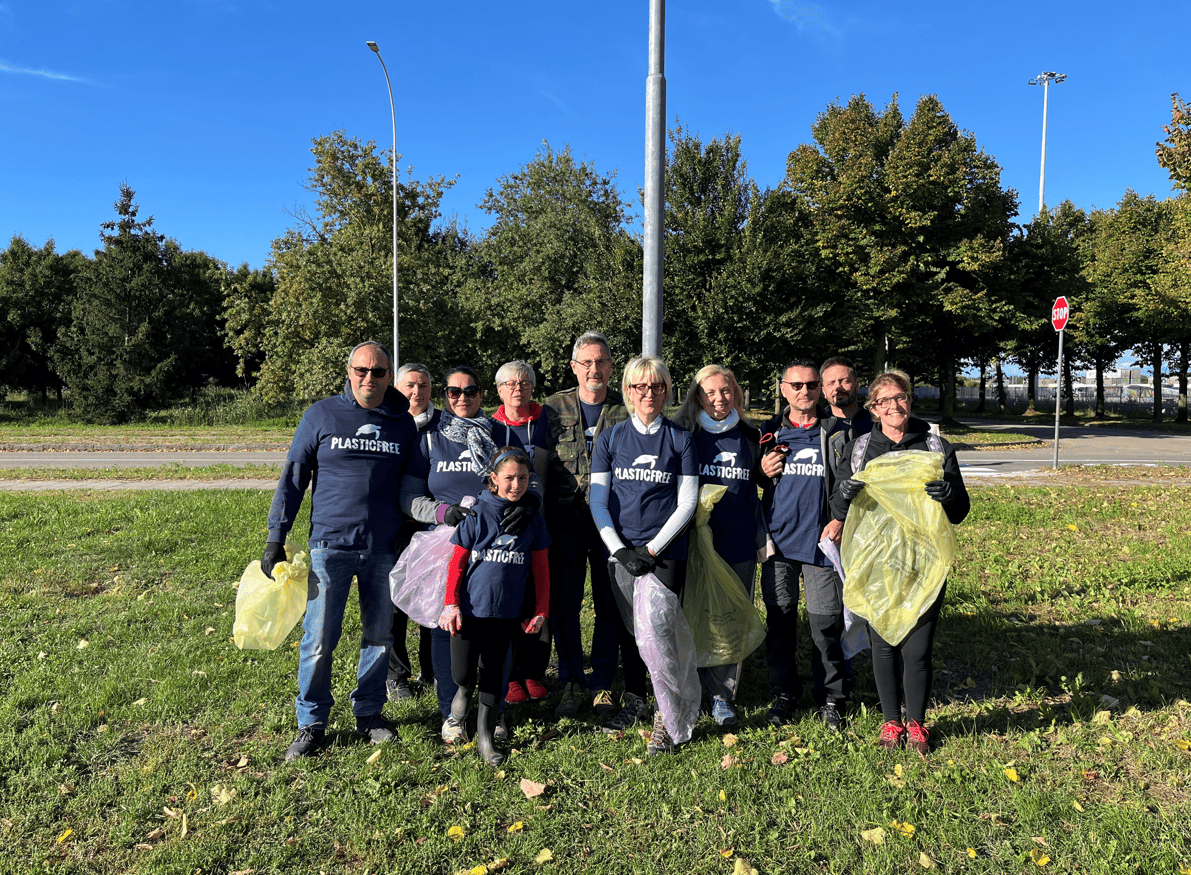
<point x="134" y="737"/>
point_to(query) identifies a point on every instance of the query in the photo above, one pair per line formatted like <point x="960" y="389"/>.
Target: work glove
<point x="939" y="490"/>
<point x="515" y="519"/>
<point x="632" y="562"/>
<point x="649" y="559"/>
<point x="456" y="514"/>
<point x="274" y="553"/>
<point x="849" y="489"/>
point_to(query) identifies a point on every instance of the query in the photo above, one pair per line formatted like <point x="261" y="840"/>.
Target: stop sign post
<point x="1058" y="318"/>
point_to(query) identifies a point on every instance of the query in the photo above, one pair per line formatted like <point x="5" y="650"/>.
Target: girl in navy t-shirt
<point x="486" y="589"/>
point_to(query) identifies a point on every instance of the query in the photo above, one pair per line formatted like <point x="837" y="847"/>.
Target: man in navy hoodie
<point x="351" y="450"/>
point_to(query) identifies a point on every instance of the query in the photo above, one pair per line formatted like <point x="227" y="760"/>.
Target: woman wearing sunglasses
<point x="450" y="464"/>
<point x="894" y="429"/>
<point x="644" y="488"/>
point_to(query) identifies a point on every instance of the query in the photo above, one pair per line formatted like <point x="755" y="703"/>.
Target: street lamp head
<point x="374" y="46"/>
<point x="1043" y="78"/>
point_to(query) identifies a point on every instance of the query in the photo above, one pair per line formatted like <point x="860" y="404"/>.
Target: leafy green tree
<point x="36" y="292"/>
<point x="330" y="277"/>
<point x="1175" y="153"/>
<point x="1173" y="284"/>
<point x="556" y="261"/>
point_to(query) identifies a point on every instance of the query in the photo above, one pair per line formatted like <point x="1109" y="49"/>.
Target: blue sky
<point x="207" y="108"/>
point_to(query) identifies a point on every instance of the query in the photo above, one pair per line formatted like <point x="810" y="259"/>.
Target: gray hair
<point x="587" y="338"/>
<point x="516" y="368"/>
<point x="373" y="343"/>
<point x="413" y="368"/>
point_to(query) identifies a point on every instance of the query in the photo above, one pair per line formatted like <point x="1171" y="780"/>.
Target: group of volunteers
<point x="596" y="482"/>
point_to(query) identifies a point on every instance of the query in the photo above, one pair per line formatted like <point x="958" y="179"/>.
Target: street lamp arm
<point x="393" y="111"/>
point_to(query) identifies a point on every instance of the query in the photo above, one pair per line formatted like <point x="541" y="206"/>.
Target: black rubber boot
<point x="486" y="719"/>
<point x="460" y="705"/>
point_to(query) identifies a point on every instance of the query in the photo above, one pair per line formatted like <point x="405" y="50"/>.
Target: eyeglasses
<point x="811" y="385"/>
<point x="364" y="372"/>
<point x="588" y="364"/>
<point x="648" y="388"/>
<point x="517" y="384"/>
<point x="900" y="398"/>
<point x="453" y="392"/>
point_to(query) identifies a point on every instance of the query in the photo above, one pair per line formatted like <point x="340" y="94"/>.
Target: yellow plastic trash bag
<point x="726" y="625"/>
<point x="898" y="544"/>
<point x="266" y="610"/>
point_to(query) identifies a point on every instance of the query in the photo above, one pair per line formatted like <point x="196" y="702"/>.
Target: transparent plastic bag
<point x="268" y="609"/>
<point x="898" y="544"/>
<point x="668" y="650"/>
<point x="723" y="620"/>
<point x="855" y="637"/>
<point x="418" y="582"/>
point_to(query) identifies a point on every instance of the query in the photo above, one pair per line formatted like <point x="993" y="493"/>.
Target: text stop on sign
<point x="1059" y="313"/>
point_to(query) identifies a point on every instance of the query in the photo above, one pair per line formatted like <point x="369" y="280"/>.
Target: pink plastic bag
<point x="668" y="649"/>
<point x="418" y="582"/>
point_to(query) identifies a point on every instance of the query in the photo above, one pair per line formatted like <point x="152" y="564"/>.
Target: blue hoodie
<point x="353" y="459"/>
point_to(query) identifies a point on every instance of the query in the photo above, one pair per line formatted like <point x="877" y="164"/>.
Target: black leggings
<point x="483" y="643"/>
<point x="903" y="672"/>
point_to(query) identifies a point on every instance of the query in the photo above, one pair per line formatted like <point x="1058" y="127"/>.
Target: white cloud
<point x="562" y="106"/>
<point x="809" y="17"/>
<point x="6" y="67"/>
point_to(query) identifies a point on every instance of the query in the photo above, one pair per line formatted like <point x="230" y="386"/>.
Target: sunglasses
<point x="377" y="373"/>
<point x="453" y="392"/>
<point x="811" y="385"/>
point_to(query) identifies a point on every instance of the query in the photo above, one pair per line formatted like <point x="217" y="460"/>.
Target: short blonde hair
<point x="688" y="414"/>
<point x="649" y="367"/>
<point x="889" y="378"/>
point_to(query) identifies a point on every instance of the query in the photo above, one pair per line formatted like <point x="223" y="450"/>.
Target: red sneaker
<point x="892" y="733"/>
<point x="536" y="689"/>
<point x="917" y="738"/>
<point x="516" y="694"/>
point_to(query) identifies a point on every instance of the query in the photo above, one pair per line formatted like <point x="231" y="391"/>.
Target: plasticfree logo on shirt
<point x="724" y="467"/>
<point x="501" y="551"/>
<point x="463" y="463"/>
<point x="639" y="471"/>
<point x="366" y="439"/>
<point x="804" y="463"/>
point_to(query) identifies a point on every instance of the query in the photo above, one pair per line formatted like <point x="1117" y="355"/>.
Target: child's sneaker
<point x="892" y="734"/>
<point x="917" y="738"/>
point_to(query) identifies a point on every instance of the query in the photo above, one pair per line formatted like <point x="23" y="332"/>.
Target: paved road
<point x="69" y="459"/>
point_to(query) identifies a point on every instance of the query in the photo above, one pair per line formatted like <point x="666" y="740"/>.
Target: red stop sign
<point x="1059" y="313"/>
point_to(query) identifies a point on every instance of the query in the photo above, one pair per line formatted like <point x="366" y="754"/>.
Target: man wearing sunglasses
<point x="353" y="449"/>
<point x="795" y="501"/>
<point x="576" y="418"/>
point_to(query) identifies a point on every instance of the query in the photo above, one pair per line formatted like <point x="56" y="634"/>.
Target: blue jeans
<point x="331" y="573"/>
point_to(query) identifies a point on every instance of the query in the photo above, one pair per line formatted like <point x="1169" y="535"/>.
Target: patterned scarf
<point x="474" y="433"/>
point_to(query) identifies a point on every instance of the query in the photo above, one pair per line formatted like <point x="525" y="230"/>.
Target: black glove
<point x="456" y="514"/>
<point x="631" y="561"/>
<point x="515" y="519"/>
<point x="849" y="489"/>
<point x="939" y="490"/>
<point x="274" y="553"/>
<point x="649" y="559"/>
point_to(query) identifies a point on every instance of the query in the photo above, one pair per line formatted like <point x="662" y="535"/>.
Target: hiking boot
<point x="721" y="712"/>
<point x="309" y="740"/>
<point x="917" y="738"/>
<point x="892" y="734"/>
<point x="573" y="697"/>
<point x="831" y="718"/>
<point x="536" y="689"/>
<point x="374" y="729"/>
<point x="659" y="739"/>
<point x="602" y="704"/>
<point x="516" y="694"/>
<point x="635" y="709"/>
<point x="779" y="711"/>
<point x="398" y="690"/>
<point x="453" y="732"/>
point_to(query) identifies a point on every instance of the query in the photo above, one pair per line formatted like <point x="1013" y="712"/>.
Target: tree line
<point x="890" y="239"/>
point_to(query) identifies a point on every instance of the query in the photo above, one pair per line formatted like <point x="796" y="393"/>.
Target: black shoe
<point x="309" y="740"/>
<point x="779" y="711"/>
<point x="831" y="718"/>
<point x="398" y="690"/>
<point x="374" y="729"/>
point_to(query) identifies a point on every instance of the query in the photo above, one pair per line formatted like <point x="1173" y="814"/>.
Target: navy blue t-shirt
<point x="499" y="568"/>
<point x="725" y="459"/>
<point x="798" y="509"/>
<point x="532" y="437"/>
<point x="591" y="416"/>
<point x="448" y="468"/>
<point x="645" y="469"/>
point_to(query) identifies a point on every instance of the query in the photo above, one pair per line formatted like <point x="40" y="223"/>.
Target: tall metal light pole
<point x="1044" y="79"/>
<point x="655" y="178"/>
<point x="393" y="110"/>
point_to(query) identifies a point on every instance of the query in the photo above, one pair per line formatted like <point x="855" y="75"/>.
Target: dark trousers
<point x="399" y="664"/>
<point x="482" y="647"/>
<point x="577" y="547"/>
<point x="910" y="681"/>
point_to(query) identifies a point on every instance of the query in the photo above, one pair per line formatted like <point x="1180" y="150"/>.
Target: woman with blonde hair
<point x="727" y="446"/>
<point x="644" y="488"/>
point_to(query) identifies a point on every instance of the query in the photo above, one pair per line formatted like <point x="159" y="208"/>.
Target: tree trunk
<point x="1069" y="404"/>
<point x="983" y="385"/>
<point x="1001" y="397"/>
<point x="947" y="396"/>
<point x="1184" y="351"/>
<point x="1156" y="363"/>
<point x="1031" y="382"/>
<point x="1099" y="388"/>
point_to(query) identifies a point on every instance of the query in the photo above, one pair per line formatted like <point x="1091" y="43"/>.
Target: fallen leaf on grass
<point x="1073" y="528"/>
<point x="730" y="740"/>
<point x="154" y="835"/>
<point x="1184" y="869"/>
<point x="1077" y="806"/>
<point x="972" y="853"/>
<point x="876" y="835"/>
<point x="727" y="852"/>
<point x="728" y="761"/>
<point x="779" y="758"/>
<point x="66" y="789"/>
<point x="906" y="829"/>
<point x="208" y="630"/>
<point x="185" y="828"/>
<point x="517" y="827"/>
<point x="477" y="870"/>
<point x="723" y="797"/>
<point x="375" y="756"/>
<point x="1183" y="744"/>
<point x="456" y="832"/>
<point x="500" y="776"/>
<point x="895" y="781"/>
<point x="607" y="768"/>
<point x="545" y="855"/>
<point x="140" y="701"/>
<point x="64" y="837"/>
<point x="83" y="644"/>
<point x="1102" y="717"/>
<point x="925" y="861"/>
<point x="532" y="788"/>
<point x="1038" y="857"/>
<point x="1012" y="775"/>
<point x="242" y="763"/>
<point x="741" y="867"/>
<point x="222" y="795"/>
<point x="172" y="813"/>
